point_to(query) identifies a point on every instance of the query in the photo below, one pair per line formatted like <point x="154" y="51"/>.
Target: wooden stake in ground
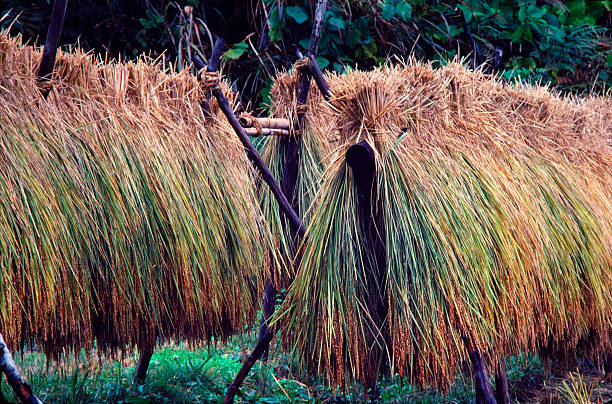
<point x="51" y="43"/>
<point x="361" y="158"/>
<point x="288" y="184"/>
<point x="502" y="396"/>
<point x="484" y="393"/>
<point x="146" y="352"/>
<point x="22" y="390"/>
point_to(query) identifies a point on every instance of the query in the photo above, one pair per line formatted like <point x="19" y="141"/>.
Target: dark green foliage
<point x="567" y="44"/>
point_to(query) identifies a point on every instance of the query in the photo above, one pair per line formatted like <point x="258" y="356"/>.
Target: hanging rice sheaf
<point x="495" y="208"/>
<point x="126" y="213"/>
<point x="313" y="145"/>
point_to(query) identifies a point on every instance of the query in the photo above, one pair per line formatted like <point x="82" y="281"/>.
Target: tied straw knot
<point x="211" y="80"/>
<point x="301" y="64"/>
<point x="301" y="109"/>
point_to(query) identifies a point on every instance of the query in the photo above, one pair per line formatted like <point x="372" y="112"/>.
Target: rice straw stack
<point x="496" y="201"/>
<point x="125" y="212"/>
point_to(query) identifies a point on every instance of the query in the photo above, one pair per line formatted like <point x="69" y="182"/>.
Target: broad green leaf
<point x="522" y="14"/>
<point x="467" y="12"/>
<point x="297" y="13"/>
<point x="536" y="12"/>
<point x="337" y="23"/>
<point x="323" y="62"/>
<point x="403" y="10"/>
<point x="517" y="34"/>
<point x="304" y="43"/>
<point x="388" y="10"/>
<point x="236" y="51"/>
<point x="276" y="26"/>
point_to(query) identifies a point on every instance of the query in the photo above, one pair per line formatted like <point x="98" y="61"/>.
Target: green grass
<point x="179" y="374"/>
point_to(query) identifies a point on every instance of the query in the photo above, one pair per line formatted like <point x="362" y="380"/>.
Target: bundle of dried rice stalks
<point x="497" y="209"/>
<point x="125" y="212"/>
<point x="313" y="147"/>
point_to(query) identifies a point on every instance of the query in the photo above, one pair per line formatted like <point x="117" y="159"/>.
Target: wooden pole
<point x="317" y="75"/>
<point x="22" y="390"/>
<point x="292" y="143"/>
<point x="51" y="43"/>
<point x="482" y="385"/>
<point x="502" y="396"/>
<point x="213" y="66"/>
<point x="267" y="311"/>
<point x="246" y="367"/>
<point x="288" y="182"/>
<point x="143" y="362"/>
<point x="361" y="158"/>
<point x="251" y="151"/>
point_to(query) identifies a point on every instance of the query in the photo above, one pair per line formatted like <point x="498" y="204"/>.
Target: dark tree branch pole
<point x="315" y="36"/>
<point x="143" y="362"/>
<point x="362" y="160"/>
<point x="51" y="43"/>
<point x="288" y="182"/>
<point x="255" y="157"/>
<point x="22" y="390"/>
<point x="502" y="396"/>
<point x="251" y="151"/>
<point x="291" y="162"/>
<point x="267" y="310"/>
<point x="317" y="75"/>
<point x="246" y="367"/>
<point x="213" y="66"/>
<point x="484" y="393"/>
<point x="291" y="144"/>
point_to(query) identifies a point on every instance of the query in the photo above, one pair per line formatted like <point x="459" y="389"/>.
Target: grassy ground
<point x="178" y="374"/>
